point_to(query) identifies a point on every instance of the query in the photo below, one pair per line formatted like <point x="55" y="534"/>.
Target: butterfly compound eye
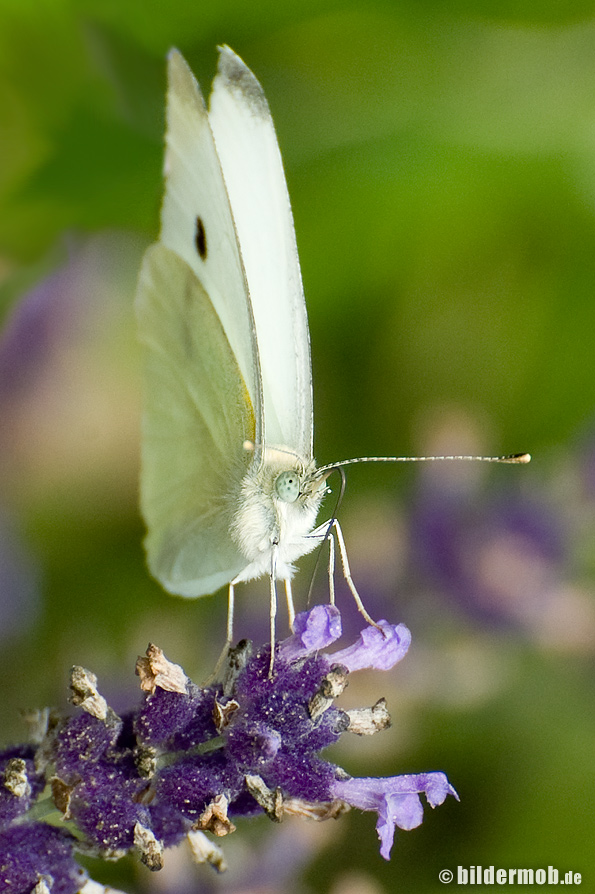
<point x="287" y="486"/>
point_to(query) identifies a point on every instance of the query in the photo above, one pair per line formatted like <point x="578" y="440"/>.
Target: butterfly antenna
<point x="325" y="471"/>
<point x="510" y="458"/>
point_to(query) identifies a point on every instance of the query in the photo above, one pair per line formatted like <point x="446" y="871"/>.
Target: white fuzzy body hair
<point x="270" y="532"/>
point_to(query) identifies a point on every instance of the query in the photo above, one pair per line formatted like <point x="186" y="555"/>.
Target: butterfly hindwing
<point x="198" y="414"/>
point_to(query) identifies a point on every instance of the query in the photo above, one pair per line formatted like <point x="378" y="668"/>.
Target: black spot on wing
<point x="200" y="238"/>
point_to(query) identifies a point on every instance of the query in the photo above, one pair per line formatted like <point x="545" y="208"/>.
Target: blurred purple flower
<point x="69" y="303"/>
<point x="54" y="422"/>
<point x="492" y="557"/>
<point x="29" y="337"/>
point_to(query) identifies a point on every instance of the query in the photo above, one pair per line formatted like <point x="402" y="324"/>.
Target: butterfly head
<point x="290" y="485"/>
<point x="280" y="497"/>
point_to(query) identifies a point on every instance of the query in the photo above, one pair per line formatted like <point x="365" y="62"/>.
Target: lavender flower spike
<point x="188" y="760"/>
<point x="395" y="799"/>
<point x="379" y="648"/>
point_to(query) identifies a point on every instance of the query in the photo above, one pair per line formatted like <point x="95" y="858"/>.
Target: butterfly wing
<point x="203" y="395"/>
<point x="197" y="415"/>
<point x="222" y="314"/>
<point x="253" y="171"/>
<point x="197" y="221"/>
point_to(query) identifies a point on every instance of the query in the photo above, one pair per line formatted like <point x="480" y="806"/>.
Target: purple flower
<point x="378" y="647"/>
<point x="189" y="760"/>
<point x="33" y="852"/>
<point x="175" y="721"/>
<point x="395" y="799"/>
<point x="312" y="630"/>
<point x="97" y="782"/>
<point x="20" y="782"/>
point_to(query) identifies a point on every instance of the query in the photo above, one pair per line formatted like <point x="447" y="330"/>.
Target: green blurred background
<point x="441" y="164"/>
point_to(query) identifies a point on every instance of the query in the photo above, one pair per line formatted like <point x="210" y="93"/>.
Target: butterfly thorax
<point x="276" y="511"/>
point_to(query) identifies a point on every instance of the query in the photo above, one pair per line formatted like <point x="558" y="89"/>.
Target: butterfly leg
<point x="347" y="573"/>
<point x="331" y="568"/>
<point x="230" y="610"/>
<point x="273" y="606"/>
<point x="290" y="606"/>
<point x="228" y="639"/>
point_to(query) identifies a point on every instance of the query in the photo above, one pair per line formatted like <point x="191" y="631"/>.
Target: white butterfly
<point x="229" y="487"/>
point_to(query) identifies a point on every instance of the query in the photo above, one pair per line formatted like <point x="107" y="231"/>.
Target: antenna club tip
<point x="519" y="458"/>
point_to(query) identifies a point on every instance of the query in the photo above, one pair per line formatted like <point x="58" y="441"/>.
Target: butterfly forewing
<point x="253" y="171"/>
<point x="197" y="221"/>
